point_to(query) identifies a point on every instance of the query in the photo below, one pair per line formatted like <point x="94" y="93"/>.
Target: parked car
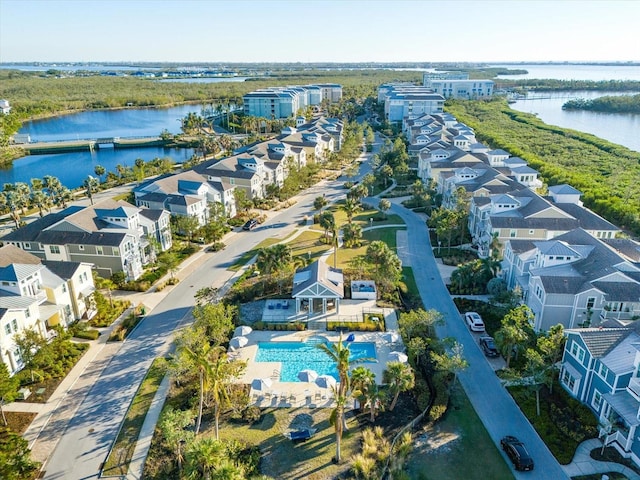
<point x="488" y="346"/>
<point x="250" y="225"/>
<point x="474" y="322"/>
<point x="517" y="453"/>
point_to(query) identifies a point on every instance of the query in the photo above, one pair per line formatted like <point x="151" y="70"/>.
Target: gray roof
<point x="64" y="270"/>
<point x="588" y="220"/>
<point x="11" y="301"/>
<point x="627" y="247"/>
<point x="564" y="190"/>
<point x="18" y="271"/>
<point x="152" y="214"/>
<point x="619" y="291"/>
<point x="319" y="272"/>
<point x="599" y="341"/>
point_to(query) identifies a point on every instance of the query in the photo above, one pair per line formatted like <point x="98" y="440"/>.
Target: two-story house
<point x="574" y="279"/>
<point x="601" y="368"/>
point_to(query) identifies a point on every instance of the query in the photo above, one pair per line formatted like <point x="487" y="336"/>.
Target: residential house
<point x="318" y="288"/>
<point x="601" y="368"/>
<point x="108" y="234"/>
<point x="38" y="296"/>
<point x="574" y="279"/>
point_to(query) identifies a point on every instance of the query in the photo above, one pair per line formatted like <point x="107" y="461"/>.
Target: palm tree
<point x="400" y="378"/>
<point x="39" y="199"/>
<point x="91" y="184"/>
<point x="327" y="222"/>
<point x="199" y="356"/>
<point x="336" y="419"/>
<point x="351" y="207"/>
<point x="365" y="389"/>
<point x="99" y="170"/>
<point x="203" y="457"/>
<point x="221" y="372"/>
<point x="384" y="206"/>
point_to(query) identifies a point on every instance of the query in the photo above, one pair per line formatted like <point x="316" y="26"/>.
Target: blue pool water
<point x="298" y="356"/>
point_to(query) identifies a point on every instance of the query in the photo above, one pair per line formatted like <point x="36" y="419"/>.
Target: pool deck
<point x="301" y="394"/>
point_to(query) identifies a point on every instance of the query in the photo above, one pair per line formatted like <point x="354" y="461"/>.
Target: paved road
<point x="495" y="407"/>
<point x="85" y="443"/>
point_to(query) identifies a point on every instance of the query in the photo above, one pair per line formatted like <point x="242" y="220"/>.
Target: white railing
<point x="634" y="388"/>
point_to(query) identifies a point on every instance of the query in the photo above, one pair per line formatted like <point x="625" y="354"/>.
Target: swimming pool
<point x="298" y="356"/>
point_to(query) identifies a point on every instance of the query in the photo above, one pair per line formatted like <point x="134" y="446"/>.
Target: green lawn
<point x="118" y="460"/>
<point x="457" y="447"/>
<point x="281" y="458"/>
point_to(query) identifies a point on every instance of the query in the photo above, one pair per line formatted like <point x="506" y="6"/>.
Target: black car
<point x="250" y="225"/>
<point x="488" y="346"/>
<point x="517" y="453"/>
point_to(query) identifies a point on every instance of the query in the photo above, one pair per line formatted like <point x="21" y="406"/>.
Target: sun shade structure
<point x="238" y="342"/>
<point x="261" y="384"/>
<point x="326" y="381"/>
<point x="398" y="357"/>
<point x="308" y="376"/>
<point x="242" y="331"/>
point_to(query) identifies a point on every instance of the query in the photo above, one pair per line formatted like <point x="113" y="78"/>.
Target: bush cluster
<point x="441" y="383"/>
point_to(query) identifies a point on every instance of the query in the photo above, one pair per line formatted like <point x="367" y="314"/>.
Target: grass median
<point x="120" y="456"/>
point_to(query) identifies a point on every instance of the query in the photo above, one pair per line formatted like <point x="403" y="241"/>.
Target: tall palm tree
<point x="336" y="419"/>
<point x="203" y="457"/>
<point x="91" y="184"/>
<point x="400" y="378"/>
<point x="39" y="200"/>
<point x="365" y="389"/>
<point x="99" y="170"/>
<point x="199" y="356"/>
<point x="351" y="207"/>
<point x="221" y="373"/>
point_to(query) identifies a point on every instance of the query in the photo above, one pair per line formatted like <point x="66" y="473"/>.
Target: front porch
<point x="619" y="421"/>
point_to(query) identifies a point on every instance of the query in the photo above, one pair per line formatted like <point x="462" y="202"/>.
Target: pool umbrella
<point x="326" y="381"/>
<point x="351" y="338"/>
<point x="391" y="337"/>
<point x="242" y="331"/>
<point x="238" y="342"/>
<point x="261" y="384"/>
<point x="308" y="376"/>
<point x="398" y="357"/>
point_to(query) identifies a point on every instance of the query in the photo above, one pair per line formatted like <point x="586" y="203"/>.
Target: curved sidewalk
<point x="583" y="464"/>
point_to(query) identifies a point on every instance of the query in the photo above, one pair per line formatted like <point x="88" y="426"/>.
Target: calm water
<point x="73" y="168"/>
<point x="131" y="122"/>
<point x="205" y="80"/>
<point x="574" y="72"/>
<point x="623" y="129"/>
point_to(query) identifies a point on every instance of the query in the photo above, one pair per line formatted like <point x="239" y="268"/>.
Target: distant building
<point x="401" y="100"/>
<point x="285" y="102"/>
<point x="464" y="89"/>
<point x="5" y="108"/>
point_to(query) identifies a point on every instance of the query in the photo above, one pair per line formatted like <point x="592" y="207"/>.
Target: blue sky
<point x="318" y="31"/>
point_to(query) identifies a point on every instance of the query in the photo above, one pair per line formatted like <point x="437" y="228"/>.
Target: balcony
<point x="634" y="388"/>
<point x="625" y="315"/>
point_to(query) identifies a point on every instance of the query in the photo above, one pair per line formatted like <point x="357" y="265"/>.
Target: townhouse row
<point x="571" y="266"/>
<point x="285" y="102"/>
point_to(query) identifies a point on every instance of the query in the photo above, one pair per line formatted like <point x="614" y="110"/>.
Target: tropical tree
<point x="400" y="378"/>
<point x="515" y="331"/>
<point x="221" y="372"/>
<point x="199" y="356"/>
<point x="384" y="174"/>
<point x="320" y="202"/>
<point x="215" y="321"/>
<point x="187" y="225"/>
<point x="340" y="399"/>
<point x="384" y="205"/>
<point x="8" y="389"/>
<point x="29" y="341"/>
<point x="451" y="362"/>
<point x="536" y="373"/>
<point x="173" y="427"/>
<point x="39" y="200"/>
<point x="327" y="222"/>
<point x="365" y="389"/>
<point x="352" y="235"/>
<point x="15" y="461"/>
<point x="91" y="185"/>
<point x="203" y="458"/>
<point x="388" y="266"/>
<point x="99" y="170"/>
<point x="351" y="207"/>
<point x="169" y="260"/>
<point x="420" y="323"/>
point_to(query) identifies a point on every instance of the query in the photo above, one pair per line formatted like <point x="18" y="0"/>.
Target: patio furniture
<point x="285" y="305"/>
<point x="270" y="306"/>
<point x="278" y="306"/>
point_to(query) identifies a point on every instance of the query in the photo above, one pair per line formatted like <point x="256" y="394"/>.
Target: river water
<point x="623" y="129"/>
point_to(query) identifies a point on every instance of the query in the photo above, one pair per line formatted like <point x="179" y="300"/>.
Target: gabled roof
<point x="10" y="301"/>
<point x="564" y="190"/>
<point x="619" y="291"/>
<point x="65" y="270"/>
<point x="10" y="254"/>
<point x="599" y="341"/>
<point x="318" y="273"/>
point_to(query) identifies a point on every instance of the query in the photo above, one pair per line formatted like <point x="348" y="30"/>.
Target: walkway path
<point x="583" y="464"/>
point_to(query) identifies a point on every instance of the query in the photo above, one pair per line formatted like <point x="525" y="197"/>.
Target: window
<point x="98" y="250"/>
<point x="596" y="402"/>
<point x="513" y="233"/>
<point x="27" y="313"/>
<point x="14" y="324"/>
<point x="7" y="329"/>
<point x="568" y="380"/>
<point x="80" y="247"/>
<point x="591" y="301"/>
<point x="64" y="288"/>
<point x="577" y="351"/>
<point x="531" y="232"/>
<point x="27" y="245"/>
<point x="54" y="249"/>
<point x="116" y="251"/>
<point x="603" y="371"/>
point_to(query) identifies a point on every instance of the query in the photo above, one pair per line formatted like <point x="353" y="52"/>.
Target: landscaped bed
<point x="563" y="422"/>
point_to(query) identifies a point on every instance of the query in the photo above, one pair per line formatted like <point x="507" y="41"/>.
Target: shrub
<point x="251" y="414"/>
<point x="87" y="334"/>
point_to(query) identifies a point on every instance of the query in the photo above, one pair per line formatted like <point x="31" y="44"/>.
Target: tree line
<point x="607" y="103"/>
